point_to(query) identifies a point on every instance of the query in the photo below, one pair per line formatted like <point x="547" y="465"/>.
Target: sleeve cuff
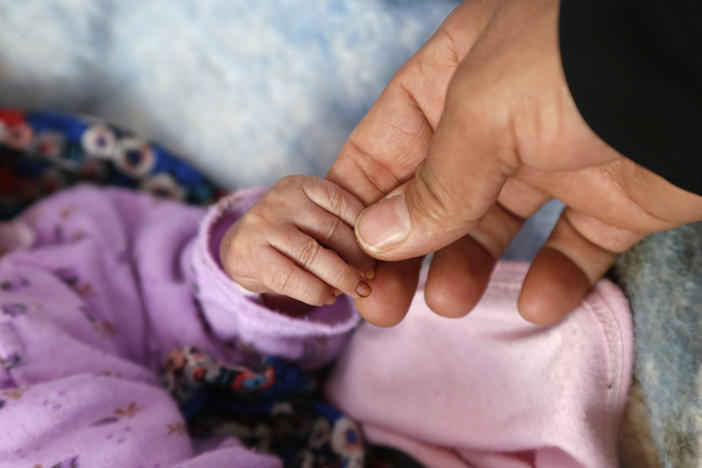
<point x="237" y="315"/>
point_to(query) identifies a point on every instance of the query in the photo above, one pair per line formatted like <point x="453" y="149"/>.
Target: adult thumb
<point x="451" y="191"/>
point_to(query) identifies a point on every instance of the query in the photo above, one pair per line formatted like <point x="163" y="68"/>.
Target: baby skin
<point x="297" y="242"/>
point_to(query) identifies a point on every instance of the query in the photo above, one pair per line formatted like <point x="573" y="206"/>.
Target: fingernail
<point x="370" y="274"/>
<point x="384" y="224"/>
<point x="363" y="290"/>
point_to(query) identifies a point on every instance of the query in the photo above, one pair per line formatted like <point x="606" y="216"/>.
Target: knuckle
<point x="256" y="215"/>
<point x="329" y="196"/>
<point x="334" y="198"/>
<point x="332" y="229"/>
<point x="379" y="176"/>
<point x="294" y="181"/>
<point x="279" y="279"/>
<point x="279" y="193"/>
<point x="433" y="201"/>
<point x="306" y="251"/>
<point x="288" y="180"/>
<point x="451" y="51"/>
<point x="342" y="275"/>
<point x="346" y="278"/>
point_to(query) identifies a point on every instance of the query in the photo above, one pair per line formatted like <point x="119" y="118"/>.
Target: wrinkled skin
<point x="471" y="136"/>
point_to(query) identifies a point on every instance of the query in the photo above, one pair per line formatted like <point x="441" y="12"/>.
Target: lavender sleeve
<point x="96" y="287"/>
<point x="240" y="317"/>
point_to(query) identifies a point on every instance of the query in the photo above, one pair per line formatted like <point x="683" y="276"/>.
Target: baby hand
<point x="298" y="241"/>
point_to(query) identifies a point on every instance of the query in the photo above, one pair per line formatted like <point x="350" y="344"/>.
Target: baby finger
<point x="325" y="264"/>
<point x="283" y="276"/>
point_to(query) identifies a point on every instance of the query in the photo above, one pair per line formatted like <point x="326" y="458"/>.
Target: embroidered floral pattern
<point x="84" y="290"/>
<point x="14" y="394"/>
<point x="105" y="329"/>
<point x="176" y="428"/>
<point x="129" y="412"/>
<point x="68" y="211"/>
<point x="69" y="275"/>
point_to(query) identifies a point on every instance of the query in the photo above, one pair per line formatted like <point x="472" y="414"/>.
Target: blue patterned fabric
<point x="268" y="403"/>
<point x="41" y="152"/>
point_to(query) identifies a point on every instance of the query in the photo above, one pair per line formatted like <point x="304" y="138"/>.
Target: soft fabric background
<point x="251" y="91"/>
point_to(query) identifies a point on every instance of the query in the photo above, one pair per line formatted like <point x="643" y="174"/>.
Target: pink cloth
<point x="489" y="389"/>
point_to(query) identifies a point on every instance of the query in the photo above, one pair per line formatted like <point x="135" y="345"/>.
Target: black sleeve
<point x="634" y="69"/>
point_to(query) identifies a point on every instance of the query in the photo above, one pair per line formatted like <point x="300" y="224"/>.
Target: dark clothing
<point x="634" y="68"/>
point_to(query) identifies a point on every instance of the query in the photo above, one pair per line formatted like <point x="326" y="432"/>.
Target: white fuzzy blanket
<point x="247" y="90"/>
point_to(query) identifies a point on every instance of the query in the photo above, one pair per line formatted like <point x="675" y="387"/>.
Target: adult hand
<point x="472" y="135"/>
